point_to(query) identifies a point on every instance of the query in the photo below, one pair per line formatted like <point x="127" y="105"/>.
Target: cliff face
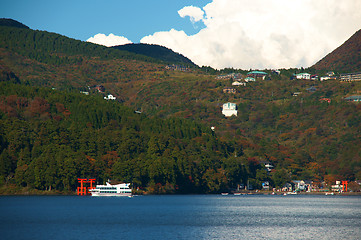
<point x="345" y="58"/>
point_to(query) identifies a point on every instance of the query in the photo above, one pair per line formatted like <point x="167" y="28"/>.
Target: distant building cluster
<point x="230" y="109"/>
<point x="100" y="89"/>
<point x="174" y="67"/>
<point x="329" y="76"/>
<point x="296" y="186"/>
<point x="250" y="77"/>
<point x="234" y="76"/>
<point x="345" y="77"/>
<point x="349" y="77"/>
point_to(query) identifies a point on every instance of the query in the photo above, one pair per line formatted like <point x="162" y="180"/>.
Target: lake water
<point x="181" y="217"/>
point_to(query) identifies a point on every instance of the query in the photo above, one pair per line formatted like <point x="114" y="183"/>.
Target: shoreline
<point x="34" y="192"/>
<point x="12" y="190"/>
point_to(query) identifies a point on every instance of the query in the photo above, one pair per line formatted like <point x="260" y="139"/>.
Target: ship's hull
<point x="111" y="194"/>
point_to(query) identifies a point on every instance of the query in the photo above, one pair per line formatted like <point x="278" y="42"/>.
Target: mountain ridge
<point x="292" y="133"/>
<point x="12" y="23"/>
<point x="156" y="51"/>
<point x="345" y="58"/>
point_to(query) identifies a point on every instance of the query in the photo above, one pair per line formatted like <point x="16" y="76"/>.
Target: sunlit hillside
<point x="304" y="128"/>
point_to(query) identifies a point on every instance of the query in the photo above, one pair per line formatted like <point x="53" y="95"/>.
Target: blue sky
<point x="81" y="19"/>
<point x="244" y="34"/>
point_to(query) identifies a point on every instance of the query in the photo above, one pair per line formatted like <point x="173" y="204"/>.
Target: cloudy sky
<point x="244" y="34"/>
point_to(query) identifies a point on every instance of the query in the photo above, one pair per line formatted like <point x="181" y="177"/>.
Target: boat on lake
<point x="110" y="190"/>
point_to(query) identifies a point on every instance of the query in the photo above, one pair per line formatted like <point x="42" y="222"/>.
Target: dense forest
<point x="157" y="133"/>
<point x="50" y="138"/>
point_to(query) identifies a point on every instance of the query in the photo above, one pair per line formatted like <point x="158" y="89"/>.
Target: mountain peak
<point x="156" y="51"/>
<point x="345" y="58"/>
<point x="12" y="23"/>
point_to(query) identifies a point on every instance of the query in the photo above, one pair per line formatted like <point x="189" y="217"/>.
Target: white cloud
<point x="109" y="41"/>
<point x="195" y="13"/>
<point x="263" y="33"/>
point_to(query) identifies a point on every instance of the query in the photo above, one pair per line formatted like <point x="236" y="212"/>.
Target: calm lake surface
<point x="181" y="217"/>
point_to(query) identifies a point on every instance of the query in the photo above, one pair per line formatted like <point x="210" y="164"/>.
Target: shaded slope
<point x="11" y="23"/>
<point x="53" y="48"/>
<point x="158" y="52"/>
<point x="345" y="58"/>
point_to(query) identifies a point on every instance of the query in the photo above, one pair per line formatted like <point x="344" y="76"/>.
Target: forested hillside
<point x="158" y="52"/>
<point x="50" y="138"/>
<point x="51" y="134"/>
<point x="52" y="48"/>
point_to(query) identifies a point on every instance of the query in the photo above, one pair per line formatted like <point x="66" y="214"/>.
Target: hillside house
<point x="314" y="77"/>
<point x="229" y="90"/>
<point x="301" y="185"/>
<point x="236" y="83"/>
<point x="268" y="167"/>
<point x="340" y="186"/>
<point x="312" y="89"/>
<point x="100" y="88"/>
<point x="110" y="97"/>
<point x="354" y="98"/>
<point x="349" y="77"/>
<point x="324" y="78"/>
<point x="305" y="76"/>
<point x="276" y="71"/>
<point x="229" y="109"/>
<point x="257" y="74"/>
<point x="288" y="187"/>
<point x="249" y="79"/>
<point x="265" y="185"/>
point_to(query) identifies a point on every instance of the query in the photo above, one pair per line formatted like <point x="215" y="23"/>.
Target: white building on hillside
<point x="306" y="76"/>
<point x="110" y="97"/>
<point x="229" y="109"/>
<point x="236" y="83"/>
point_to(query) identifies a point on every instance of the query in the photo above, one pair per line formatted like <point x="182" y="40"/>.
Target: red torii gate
<point x="344" y="186"/>
<point x="83" y="190"/>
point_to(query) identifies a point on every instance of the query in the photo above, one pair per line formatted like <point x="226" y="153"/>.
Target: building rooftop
<point x="354" y="98"/>
<point x="257" y="72"/>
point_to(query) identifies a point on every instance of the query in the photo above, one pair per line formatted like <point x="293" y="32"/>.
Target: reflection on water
<point x="181" y="217"/>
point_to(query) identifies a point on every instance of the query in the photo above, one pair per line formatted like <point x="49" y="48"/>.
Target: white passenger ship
<point x="109" y="190"/>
